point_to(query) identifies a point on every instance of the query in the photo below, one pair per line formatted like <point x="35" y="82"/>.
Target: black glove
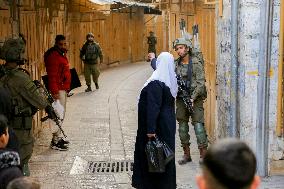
<point x="50" y="112"/>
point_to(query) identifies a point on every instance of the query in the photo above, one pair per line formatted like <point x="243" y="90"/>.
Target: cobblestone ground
<point x="101" y="126"/>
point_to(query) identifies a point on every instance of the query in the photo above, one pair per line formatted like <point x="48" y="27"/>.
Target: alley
<point x="101" y="127"/>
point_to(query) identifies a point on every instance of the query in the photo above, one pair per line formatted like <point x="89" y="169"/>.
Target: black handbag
<point x="155" y="155"/>
<point x="169" y="154"/>
<point x="75" y="81"/>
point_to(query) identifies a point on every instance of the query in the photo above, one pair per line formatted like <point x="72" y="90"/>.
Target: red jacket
<point x="58" y="72"/>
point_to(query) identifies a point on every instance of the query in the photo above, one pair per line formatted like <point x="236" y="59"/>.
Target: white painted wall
<point x="249" y="40"/>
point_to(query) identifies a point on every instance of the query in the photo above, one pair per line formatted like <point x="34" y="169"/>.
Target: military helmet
<point x="182" y="41"/>
<point x="13" y="50"/>
<point x="90" y="35"/>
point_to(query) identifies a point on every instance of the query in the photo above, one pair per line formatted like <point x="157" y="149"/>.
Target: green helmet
<point x="182" y="41"/>
<point x="90" y="35"/>
<point x="13" y="50"/>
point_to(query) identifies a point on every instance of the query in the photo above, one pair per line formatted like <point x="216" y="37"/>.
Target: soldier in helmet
<point x="89" y="54"/>
<point x="26" y="98"/>
<point x="190" y="66"/>
<point x="152" y="41"/>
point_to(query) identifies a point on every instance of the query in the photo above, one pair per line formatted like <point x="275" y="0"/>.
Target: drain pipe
<point x="262" y="126"/>
<point x="233" y="128"/>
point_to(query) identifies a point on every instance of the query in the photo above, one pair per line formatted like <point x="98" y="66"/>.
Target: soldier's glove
<point x="50" y="112"/>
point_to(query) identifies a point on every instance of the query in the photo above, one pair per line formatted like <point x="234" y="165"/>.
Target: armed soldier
<point x="190" y="68"/>
<point x="26" y="98"/>
<point x="152" y="41"/>
<point x="89" y="54"/>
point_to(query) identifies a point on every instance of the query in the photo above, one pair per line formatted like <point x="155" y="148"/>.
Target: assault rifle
<point x="185" y="95"/>
<point x="54" y="116"/>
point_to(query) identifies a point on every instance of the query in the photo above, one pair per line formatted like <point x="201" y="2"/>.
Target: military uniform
<point x="90" y="53"/>
<point x="193" y="75"/>
<point x="26" y="100"/>
<point x="152" y="41"/>
<point x="198" y="94"/>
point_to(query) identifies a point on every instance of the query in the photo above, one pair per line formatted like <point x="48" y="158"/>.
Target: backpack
<point x="92" y="52"/>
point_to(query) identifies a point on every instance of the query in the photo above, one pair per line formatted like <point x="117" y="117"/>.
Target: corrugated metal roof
<point x="125" y="2"/>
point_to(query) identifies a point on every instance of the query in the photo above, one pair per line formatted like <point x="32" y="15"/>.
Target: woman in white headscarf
<point x="156" y="116"/>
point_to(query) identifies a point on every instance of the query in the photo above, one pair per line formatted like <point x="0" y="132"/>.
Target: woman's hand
<point x="151" y="135"/>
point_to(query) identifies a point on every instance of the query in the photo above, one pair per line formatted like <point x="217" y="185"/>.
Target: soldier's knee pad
<point x="183" y="131"/>
<point x="201" y="135"/>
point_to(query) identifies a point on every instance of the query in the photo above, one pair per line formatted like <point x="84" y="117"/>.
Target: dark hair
<point x="231" y="162"/>
<point x="59" y="38"/>
<point x="23" y="183"/>
<point x="3" y="124"/>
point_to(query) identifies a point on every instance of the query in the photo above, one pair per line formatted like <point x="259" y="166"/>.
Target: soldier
<point x="89" y="54"/>
<point x="26" y="98"/>
<point x="190" y="66"/>
<point x="152" y="41"/>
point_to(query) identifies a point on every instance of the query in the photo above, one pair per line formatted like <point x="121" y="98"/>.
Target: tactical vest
<point x="185" y="71"/>
<point x="22" y="111"/>
<point x="92" y="52"/>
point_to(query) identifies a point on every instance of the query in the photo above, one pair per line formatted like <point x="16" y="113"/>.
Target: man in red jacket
<point x="59" y="80"/>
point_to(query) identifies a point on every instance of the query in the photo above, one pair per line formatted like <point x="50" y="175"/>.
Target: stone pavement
<point x="101" y="127"/>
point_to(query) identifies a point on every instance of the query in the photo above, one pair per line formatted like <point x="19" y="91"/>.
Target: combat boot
<point x="186" y="157"/>
<point x="97" y="85"/>
<point x="202" y="152"/>
<point x="89" y="89"/>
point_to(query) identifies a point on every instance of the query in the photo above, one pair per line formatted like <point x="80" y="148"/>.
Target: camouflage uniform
<point x="91" y="66"/>
<point x="198" y="93"/>
<point x="152" y="41"/>
<point x="26" y="100"/>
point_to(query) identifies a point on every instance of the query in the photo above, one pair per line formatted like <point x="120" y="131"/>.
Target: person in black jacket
<point x="9" y="160"/>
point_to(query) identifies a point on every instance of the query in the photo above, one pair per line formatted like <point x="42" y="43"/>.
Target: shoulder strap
<point x="189" y="74"/>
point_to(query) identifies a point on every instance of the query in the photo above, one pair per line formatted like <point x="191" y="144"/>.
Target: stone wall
<point x="249" y="43"/>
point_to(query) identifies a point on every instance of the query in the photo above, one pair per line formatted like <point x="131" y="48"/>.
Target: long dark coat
<point x="156" y="114"/>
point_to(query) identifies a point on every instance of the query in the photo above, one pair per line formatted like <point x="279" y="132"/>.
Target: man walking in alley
<point x="89" y="54"/>
<point x="59" y="79"/>
<point x="26" y="98"/>
<point x="190" y="69"/>
<point x="152" y="41"/>
<point x="228" y="164"/>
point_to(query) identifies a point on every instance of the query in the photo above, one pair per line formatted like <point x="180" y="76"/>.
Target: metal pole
<point x="233" y="129"/>
<point x="266" y="13"/>
<point x="279" y="128"/>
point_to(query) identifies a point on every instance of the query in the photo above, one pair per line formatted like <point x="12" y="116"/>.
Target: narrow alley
<point x="224" y="70"/>
<point x="101" y="127"/>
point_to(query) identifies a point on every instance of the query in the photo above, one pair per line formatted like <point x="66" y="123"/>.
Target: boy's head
<point x="24" y="183"/>
<point x="229" y="164"/>
<point x="4" y="134"/>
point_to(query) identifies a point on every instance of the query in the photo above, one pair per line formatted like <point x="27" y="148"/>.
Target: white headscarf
<point x="165" y="72"/>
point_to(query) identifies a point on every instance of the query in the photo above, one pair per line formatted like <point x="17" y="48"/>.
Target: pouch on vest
<point x="21" y="123"/>
<point x="91" y="52"/>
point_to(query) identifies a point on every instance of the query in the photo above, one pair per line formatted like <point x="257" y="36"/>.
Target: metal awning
<point x="106" y="6"/>
<point x="124" y="2"/>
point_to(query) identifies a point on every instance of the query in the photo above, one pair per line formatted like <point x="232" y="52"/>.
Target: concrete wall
<point x="249" y="42"/>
